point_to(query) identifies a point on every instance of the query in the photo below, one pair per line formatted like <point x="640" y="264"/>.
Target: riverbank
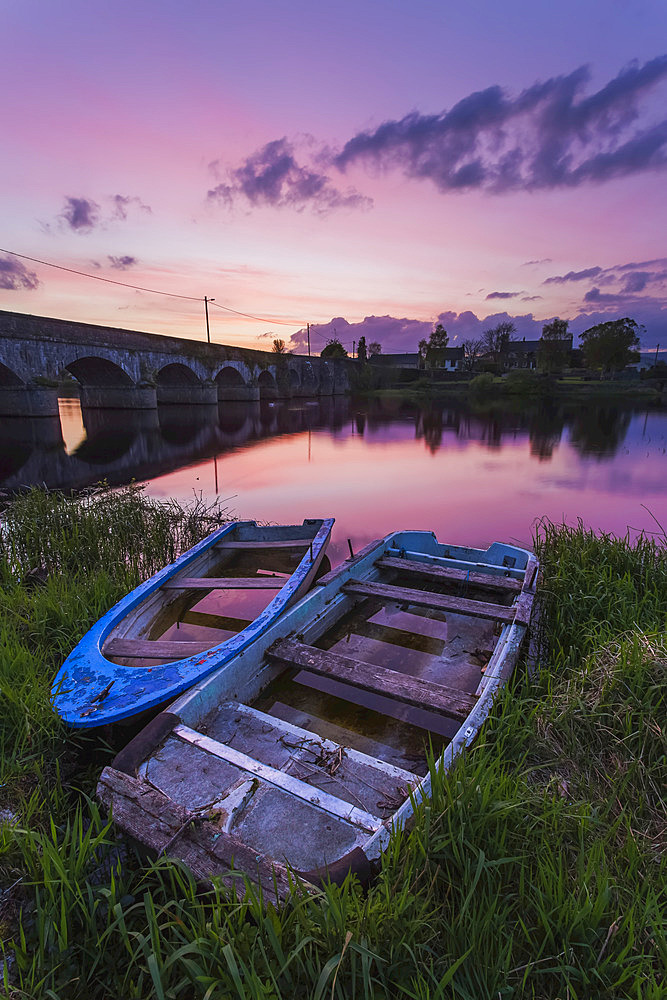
<point x="518" y="385"/>
<point x="536" y="870"/>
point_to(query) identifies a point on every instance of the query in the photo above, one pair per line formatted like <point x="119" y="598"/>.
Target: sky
<point x="370" y="167"/>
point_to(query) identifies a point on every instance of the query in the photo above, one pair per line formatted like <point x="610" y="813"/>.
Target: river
<point x="472" y="475"/>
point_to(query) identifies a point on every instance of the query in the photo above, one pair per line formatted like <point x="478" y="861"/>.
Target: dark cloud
<point x="503" y="295"/>
<point x="545" y="260"/>
<point x="122" y="263"/>
<point x="122" y="203"/>
<point x="272" y="176"/>
<point x="551" y="135"/>
<point x="561" y="279"/>
<point x="636" y="281"/>
<point x="531" y="298"/>
<point x="80" y="214"/>
<point x="15" y="276"/>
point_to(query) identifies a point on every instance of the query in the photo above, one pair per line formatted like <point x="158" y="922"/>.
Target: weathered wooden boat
<point x="187" y="620"/>
<point x="301" y="753"/>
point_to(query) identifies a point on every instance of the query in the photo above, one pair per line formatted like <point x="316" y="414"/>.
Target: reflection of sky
<point x="462" y="491"/>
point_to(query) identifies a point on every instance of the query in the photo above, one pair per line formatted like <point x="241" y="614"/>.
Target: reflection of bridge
<point x="125" y="369"/>
<point x="121" y="446"/>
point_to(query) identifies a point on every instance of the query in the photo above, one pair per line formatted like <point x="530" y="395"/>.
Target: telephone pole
<point x="208" y="331"/>
<point x="308" y="329"/>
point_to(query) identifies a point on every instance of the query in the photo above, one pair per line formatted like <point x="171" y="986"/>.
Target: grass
<point x="537" y="870"/>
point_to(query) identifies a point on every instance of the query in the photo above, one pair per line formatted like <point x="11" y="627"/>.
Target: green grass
<point x="537" y="870"/>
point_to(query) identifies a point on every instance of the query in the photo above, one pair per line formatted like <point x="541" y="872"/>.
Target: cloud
<point x="273" y="176"/>
<point x="561" y="279"/>
<point x="122" y="203"/>
<point x="551" y="135"/>
<point x="531" y="298"/>
<point x="80" y="214"/>
<point x="545" y="260"/>
<point x="123" y="263"/>
<point x="15" y="276"/>
<point x="83" y="215"/>
<point x="503" y="295"/>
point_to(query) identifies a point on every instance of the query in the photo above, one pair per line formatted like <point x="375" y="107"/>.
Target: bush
<point x="482" y="383"/>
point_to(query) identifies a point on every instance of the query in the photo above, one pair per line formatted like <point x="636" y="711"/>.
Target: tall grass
<point x="536" y="870"/>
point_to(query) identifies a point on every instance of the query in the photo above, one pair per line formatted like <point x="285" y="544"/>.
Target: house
<point x="521" y="354"/>
<point x="395" y="360"/>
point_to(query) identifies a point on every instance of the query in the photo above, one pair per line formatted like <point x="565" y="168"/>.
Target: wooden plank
<point x="427" y="599"/>
<point x="155" y="649"/>
<point x="380" y="680"/>
<point x="449" y="574"/>
<point x="280" y="779"/>
<point x="524" y="608"/>
<point x="283" y="543"/>
<point x="223" y="583"/>
<point x="151" y="817"/>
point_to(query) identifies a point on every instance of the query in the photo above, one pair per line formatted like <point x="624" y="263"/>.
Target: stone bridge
<point x="126" y="369"/>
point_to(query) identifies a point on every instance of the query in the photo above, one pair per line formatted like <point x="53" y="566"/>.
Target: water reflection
<point x="384" y="462"/>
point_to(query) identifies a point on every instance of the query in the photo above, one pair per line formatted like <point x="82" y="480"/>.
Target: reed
<point x="536" y="870"/>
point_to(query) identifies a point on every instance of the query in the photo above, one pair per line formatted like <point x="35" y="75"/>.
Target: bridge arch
<point x="230" y="378"/>
<point x="9" y="378"/>
<point x="268" y="387"/>
<point x="294" y="378"/>
<point x="177" y="374"/>
<point x="96" y="371"/>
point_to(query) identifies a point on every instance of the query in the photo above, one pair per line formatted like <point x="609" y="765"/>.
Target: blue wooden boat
<point x="303" y="752"/>
<point x="189" y="619"/>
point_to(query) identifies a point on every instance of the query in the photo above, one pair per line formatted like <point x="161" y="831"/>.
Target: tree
<point x="609" y="347"/>
<point x="279" y="346"/>
<point x="431" y="351"/>
<point x="496" y="339"/>
<point x="555" y="342"/>
<point x="375" y="347"/>
<point x="471" y="350"/>
<point x="362" y="353"/>
<point x="333" y="349"/>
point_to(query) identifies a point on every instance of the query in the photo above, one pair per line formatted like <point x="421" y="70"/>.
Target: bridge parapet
<point x="132" y="369"/>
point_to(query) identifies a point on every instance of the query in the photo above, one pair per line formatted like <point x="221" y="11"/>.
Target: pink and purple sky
<point x="371" y="167"/>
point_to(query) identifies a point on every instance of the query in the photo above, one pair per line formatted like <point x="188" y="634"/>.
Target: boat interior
<point x="213" y="597"/>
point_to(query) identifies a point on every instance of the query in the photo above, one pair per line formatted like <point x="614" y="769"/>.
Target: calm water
<point x="471" y="476"/>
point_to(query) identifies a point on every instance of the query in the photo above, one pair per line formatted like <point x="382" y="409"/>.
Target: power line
<point x="153" y="291"/>
<point x="260" y="319"/>
<point x="97" y="277"/>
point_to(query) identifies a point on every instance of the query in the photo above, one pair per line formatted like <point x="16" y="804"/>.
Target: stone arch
<point x="177" y="374"/>
<point x="294" y="379"/>
<point x="96" y="371"/>
<point x="229" y="377"/>
<point x="8" y="378"/>
<point x="268" y="387"/>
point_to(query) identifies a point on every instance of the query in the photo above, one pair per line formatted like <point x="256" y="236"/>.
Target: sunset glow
<point x="306" y="163"/>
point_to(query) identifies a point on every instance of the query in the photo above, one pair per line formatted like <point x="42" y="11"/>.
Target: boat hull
<point x="99" y="684"/>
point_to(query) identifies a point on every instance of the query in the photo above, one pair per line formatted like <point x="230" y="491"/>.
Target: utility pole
<point x="208" y="331"/>
<point x="353" y="345"/>
<point x="308" y="328"/>
<point x="656" y="355"/>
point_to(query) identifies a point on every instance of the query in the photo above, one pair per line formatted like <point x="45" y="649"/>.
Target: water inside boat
<point x="209" y="616"/>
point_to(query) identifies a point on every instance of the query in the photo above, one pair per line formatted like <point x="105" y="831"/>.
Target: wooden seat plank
<point x="283" y="543"/>
<point x="449" y="574"/>
<point x="379" y="680"/>
<point x="155" y="649"/>
<point x="224" y="583"/>
<point x="427" y="599"/>
<point x="281" y="779"/>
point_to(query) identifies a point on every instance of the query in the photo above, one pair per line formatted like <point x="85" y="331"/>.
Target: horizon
<point x="371" y="170"/>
